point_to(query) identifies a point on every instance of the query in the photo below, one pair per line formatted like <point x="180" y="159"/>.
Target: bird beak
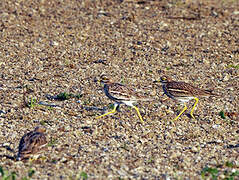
<point x="99" y="82"/>
<point x="156" y="81"/>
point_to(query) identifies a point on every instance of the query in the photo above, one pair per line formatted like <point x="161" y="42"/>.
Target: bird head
<point x="163" y="79"/>
<point x="40" y="129"/>
<point x="103" y="79"/>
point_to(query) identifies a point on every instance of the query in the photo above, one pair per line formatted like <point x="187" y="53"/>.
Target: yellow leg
<point x="191" y="113"/>
<point x="115" y="106"/>
<point x="184" y="109"/>
<point x="137" y="110"/>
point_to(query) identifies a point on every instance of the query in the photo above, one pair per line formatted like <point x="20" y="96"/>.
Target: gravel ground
<point x="51" y="47"/>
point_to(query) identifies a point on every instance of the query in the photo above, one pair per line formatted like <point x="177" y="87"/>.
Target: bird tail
<point x="211" y="93"/>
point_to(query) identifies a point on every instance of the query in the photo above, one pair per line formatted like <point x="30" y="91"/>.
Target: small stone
<point x="236" y="12"/>
<point x="226" y="78"/>
<point x="215" y="126"/>
<point x="194" y="149"/>
<point x="222" y="176"/>
<point x="175" y="154"/>
<point x="54" y="43"/>
<point x="5" y="144"/>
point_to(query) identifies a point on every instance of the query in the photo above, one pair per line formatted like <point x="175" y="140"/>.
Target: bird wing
<point x="182" y="89"/>
<point x="179" y="89"/>
<point x="31" y="143"/>
<point x="121" y="92"/>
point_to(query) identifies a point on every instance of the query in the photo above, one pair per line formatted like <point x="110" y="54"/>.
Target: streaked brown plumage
<point x="119" y="92"/>
<point x="183" y="92"/>
<point x="31" y="143"/>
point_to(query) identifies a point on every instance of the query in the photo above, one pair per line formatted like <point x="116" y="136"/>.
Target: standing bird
<point x="183" y="92"/>
<point x="31" y="143"/>
<point x="120" y="94"/>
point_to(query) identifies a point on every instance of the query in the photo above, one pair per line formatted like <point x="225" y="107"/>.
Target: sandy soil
<point x="52" y="47"/>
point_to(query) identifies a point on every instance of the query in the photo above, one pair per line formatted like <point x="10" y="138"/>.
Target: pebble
<point x="226" y="77"/>
<point x="236" y="12"/>
<point x="194" y="149"/>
